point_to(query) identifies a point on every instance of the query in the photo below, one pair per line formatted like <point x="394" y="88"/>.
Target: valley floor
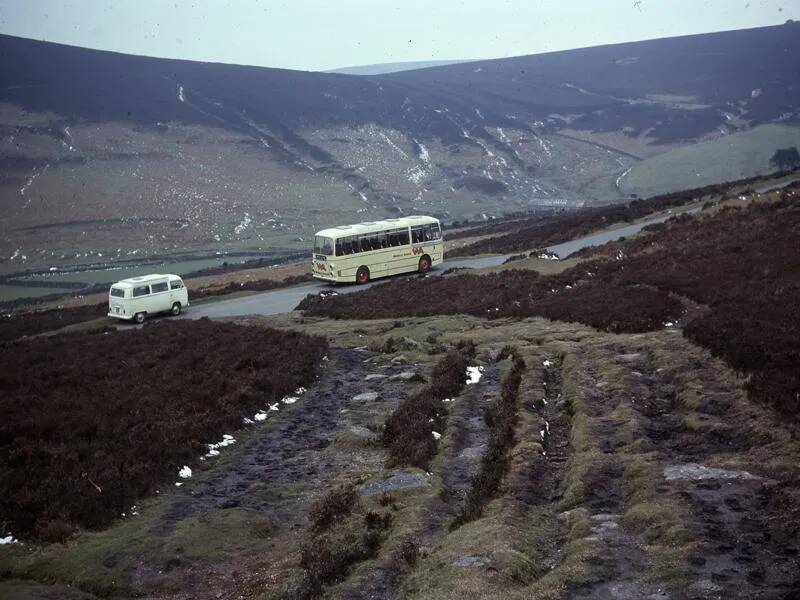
<point x="637" y="469"/>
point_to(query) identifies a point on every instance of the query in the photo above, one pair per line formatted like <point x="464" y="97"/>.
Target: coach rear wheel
<point x="362" y="275"/>
<point x="425" y="264"/>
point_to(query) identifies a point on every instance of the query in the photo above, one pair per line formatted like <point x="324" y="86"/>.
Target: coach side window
<point x="436" y="231"/>
<point x="416" y="235"/>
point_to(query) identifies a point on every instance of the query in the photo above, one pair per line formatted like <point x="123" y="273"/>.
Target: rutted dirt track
<point x="638" y="470"/>
<point x="284" y="466"/>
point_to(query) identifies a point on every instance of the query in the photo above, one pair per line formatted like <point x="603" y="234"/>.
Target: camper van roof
<point x="144" y="280"/>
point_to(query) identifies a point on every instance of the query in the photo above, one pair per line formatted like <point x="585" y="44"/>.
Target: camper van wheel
<point x="425" y="264"/>
<point x="139" y="317"/>
<point x="176" y="309"/>
<point x="362" y="275"/>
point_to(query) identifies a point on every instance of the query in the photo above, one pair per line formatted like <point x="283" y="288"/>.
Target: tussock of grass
<point x="501" y="418"/>
<point x="341" y="533"/>
<point x="407" y="434"/>
<point x="338" y="502"/>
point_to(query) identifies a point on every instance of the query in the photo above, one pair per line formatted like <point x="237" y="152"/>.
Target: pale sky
<point x="317" y="34"/>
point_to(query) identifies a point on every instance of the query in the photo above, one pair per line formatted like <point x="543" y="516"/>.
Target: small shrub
<point x="407" y="433"/>
<point x="337" y="503"/>
<point x="409" y="552"/>
<point x="378" y="521"/>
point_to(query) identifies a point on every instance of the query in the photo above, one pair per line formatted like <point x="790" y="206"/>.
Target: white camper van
<point x="138" y="297"/>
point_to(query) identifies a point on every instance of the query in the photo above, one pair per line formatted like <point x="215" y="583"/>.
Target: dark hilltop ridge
<point x="603" y="88"/>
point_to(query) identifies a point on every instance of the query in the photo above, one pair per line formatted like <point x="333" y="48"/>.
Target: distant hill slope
<point x="680" y="87"/>
<point x="107" y="156"/>
<point x="393" y="67"/>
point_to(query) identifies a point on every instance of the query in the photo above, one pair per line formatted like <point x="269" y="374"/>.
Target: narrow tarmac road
<point x="285" y="300"/>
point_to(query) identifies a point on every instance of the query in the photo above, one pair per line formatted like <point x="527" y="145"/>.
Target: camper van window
<point x="159" y="287"/>
<point x="176" y="285"/>
<point x="142" y="290"/>
<point x="118" y="292"/>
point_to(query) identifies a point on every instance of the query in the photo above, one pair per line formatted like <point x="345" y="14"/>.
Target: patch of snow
<point x="178" y="483"/>
<point x="436" y="435"/>
<point x="185" y="472"/>
<point x="424" y="155"/>
<point x="260" y="416"/>
<point x="416" y="174"/>
<point x="181" y="95"/>
<point x="290" y="399"/>
<point x="393" y="145"/>
<point x="547" y="363"/>
<point x="244" y="224"/>
<point x="68" y="145"/>
<point x="213" y="449"/>
<point x="756" y="93"/>
<point x="474" y="375"/>
<point x="9" y="539"/>
<point x="621" y="177"/>
<point x="545" y="147"/>
<point x="30" y="181"/>
<point x="273" y="406"/>
<point x="480" y="114"/>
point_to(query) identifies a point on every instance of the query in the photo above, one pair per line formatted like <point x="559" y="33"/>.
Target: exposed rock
<point x="404" y="376"/>
<point x="374" y="376"/>
<point x="474" y="452"/>
<point x="470" y="561"/>
<point x="699" y="472"/>
<point x="629" y="358"/>
<point x="363" y="432"/>
<point x="367" y="397"/>
<point x="397" y="480"/>
<point x="399" y="360"/>
<point x="410" y="344"/>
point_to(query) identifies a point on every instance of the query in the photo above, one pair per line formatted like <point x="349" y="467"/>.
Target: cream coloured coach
<point x="139" y="297"/>
<point x="364" y="251"/>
